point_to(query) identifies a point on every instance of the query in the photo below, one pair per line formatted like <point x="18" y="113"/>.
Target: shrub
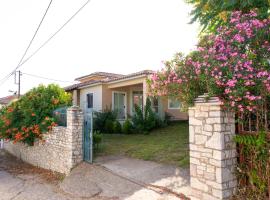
<point x="108" y="126"/>
<point x="32" y="115"/>
<point x="101" y="118"/>
<point x="97" y="138"/>
<point x="117" y="128"/>
<point x="144" y="122"/>
<point x="127" y="127"/>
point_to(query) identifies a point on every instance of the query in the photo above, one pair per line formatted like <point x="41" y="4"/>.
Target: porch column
<point x="145" y="91"/>
<point x="212" y="150"/>
<point x="75" y="98"/>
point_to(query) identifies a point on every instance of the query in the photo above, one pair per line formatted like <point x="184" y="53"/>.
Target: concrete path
<point x="20" y="181"/>
<point x="173" y="179"/>
<point x="110" y="178"/>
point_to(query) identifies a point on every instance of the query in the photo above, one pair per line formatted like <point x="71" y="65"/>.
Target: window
<point x="174" y="104"/>
<point x="155" y="104"/>
<point x="89" y="100"/>
<point x="137" y="98"/>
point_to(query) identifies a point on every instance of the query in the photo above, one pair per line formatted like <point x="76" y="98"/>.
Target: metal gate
<point x="88" y="137"/>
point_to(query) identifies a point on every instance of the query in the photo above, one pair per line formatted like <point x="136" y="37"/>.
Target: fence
<point x="60" y="115"/>
<point x="253" y="150"/>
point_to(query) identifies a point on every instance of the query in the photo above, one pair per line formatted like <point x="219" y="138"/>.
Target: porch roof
<point x="110" y="80"/>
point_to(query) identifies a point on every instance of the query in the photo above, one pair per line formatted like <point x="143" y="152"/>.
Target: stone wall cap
<point x="206" y="99"/>
<point x="74" y="108"/>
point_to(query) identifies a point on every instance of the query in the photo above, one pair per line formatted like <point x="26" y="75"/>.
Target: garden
<point x="144" y="136"/>
<point x="231" y="62"/>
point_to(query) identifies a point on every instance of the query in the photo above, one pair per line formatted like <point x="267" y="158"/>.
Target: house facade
<point x="100" y="90"/>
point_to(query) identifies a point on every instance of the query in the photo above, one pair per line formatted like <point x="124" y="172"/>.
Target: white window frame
<point x="87" y="100"/>
<point x="120" y="92"/>
<point x="169" y="107"/>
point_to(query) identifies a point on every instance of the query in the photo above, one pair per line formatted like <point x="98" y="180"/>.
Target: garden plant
<point x="29" y="118"/>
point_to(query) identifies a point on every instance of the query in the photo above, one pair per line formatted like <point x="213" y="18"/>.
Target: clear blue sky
<point x="120" y="36"/>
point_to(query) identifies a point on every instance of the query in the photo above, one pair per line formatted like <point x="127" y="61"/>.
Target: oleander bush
<point x="233" y="64"/>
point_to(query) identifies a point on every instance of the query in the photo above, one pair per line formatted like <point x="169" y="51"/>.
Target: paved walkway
<point x="20" y="181"/>
<point x="110" y="178"/>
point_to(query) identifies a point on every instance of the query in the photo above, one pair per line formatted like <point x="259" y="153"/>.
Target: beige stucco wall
<point x="175" y="113"/>
<point x="97" y="97"/>
<point x="107" y="95"/>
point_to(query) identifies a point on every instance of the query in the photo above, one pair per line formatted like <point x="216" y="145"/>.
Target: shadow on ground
<point x="120" y="177"/>
<point x="109" y="178"/>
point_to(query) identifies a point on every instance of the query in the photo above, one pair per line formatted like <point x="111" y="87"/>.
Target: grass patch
<point x="167" y="145"/>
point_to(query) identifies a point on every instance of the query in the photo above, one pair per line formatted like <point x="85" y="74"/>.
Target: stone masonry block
<point x="199" y="114"/>
<point x="197" y="184"/>
<point x="214" y="120"/>
<point x="191" y="134"/>
<point x="200" y="139"/>
<point x="196" y="122"/>
<point x="219" y="127"/>
<point x="216" y="141"/>
<point x="216" y="114"/>
<point x="208" y="127"/>
<point x="198" y="129"/>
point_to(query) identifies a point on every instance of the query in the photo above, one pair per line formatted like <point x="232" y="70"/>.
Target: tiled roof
<point x="106" y="74"/>
<point x="144" y="72"/>
<point x="108" y="80"/>
<point x="6" y="100"/>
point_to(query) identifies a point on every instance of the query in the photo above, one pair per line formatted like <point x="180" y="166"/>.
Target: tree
<point x="213" y="13"/>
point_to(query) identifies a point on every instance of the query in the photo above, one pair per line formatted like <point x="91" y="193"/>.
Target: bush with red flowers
<point x="27" y="119"/>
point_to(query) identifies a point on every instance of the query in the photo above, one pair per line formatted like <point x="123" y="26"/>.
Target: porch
<point x="124" y="96"/>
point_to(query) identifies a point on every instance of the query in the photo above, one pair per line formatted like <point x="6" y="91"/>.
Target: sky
<point x="117" y="36"/>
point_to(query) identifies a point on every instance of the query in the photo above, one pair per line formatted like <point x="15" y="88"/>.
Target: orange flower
<point x="33" y="114"/>
<point x="10" y="109"/>
<point x="53" y="124"/>
<point x="7" y="122"/>
<point x="18" y="136"/>
<point x="47" y="118"/>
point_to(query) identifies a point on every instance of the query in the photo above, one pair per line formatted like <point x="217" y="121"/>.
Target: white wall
<point x="97" y="97"/>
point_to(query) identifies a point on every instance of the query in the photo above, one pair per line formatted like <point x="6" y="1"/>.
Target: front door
<point x="119" y="104"/>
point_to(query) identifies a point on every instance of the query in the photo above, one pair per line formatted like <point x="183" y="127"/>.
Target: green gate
<point x="88" y="137"/>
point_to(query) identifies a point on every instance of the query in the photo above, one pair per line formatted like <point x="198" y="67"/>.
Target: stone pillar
<point x="212" y="150"/>
<point x="75" y="130"/>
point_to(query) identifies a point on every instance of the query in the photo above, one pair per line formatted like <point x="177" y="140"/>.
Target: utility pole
<point x="18" y="83"/>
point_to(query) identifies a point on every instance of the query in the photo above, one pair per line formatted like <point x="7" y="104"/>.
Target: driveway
<point x="125" y="178"/>
<point x="110" y="178"/>
<point x="20" y="181"/>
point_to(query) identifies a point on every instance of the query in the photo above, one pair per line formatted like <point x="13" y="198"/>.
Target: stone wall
<point x="212" y="150"/>
<point x="62" y="149"/>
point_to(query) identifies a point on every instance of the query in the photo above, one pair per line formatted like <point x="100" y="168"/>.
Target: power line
<point x="30" y="43"/>
<point x="52" y="36"/>
<point x="51" y="79"/>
